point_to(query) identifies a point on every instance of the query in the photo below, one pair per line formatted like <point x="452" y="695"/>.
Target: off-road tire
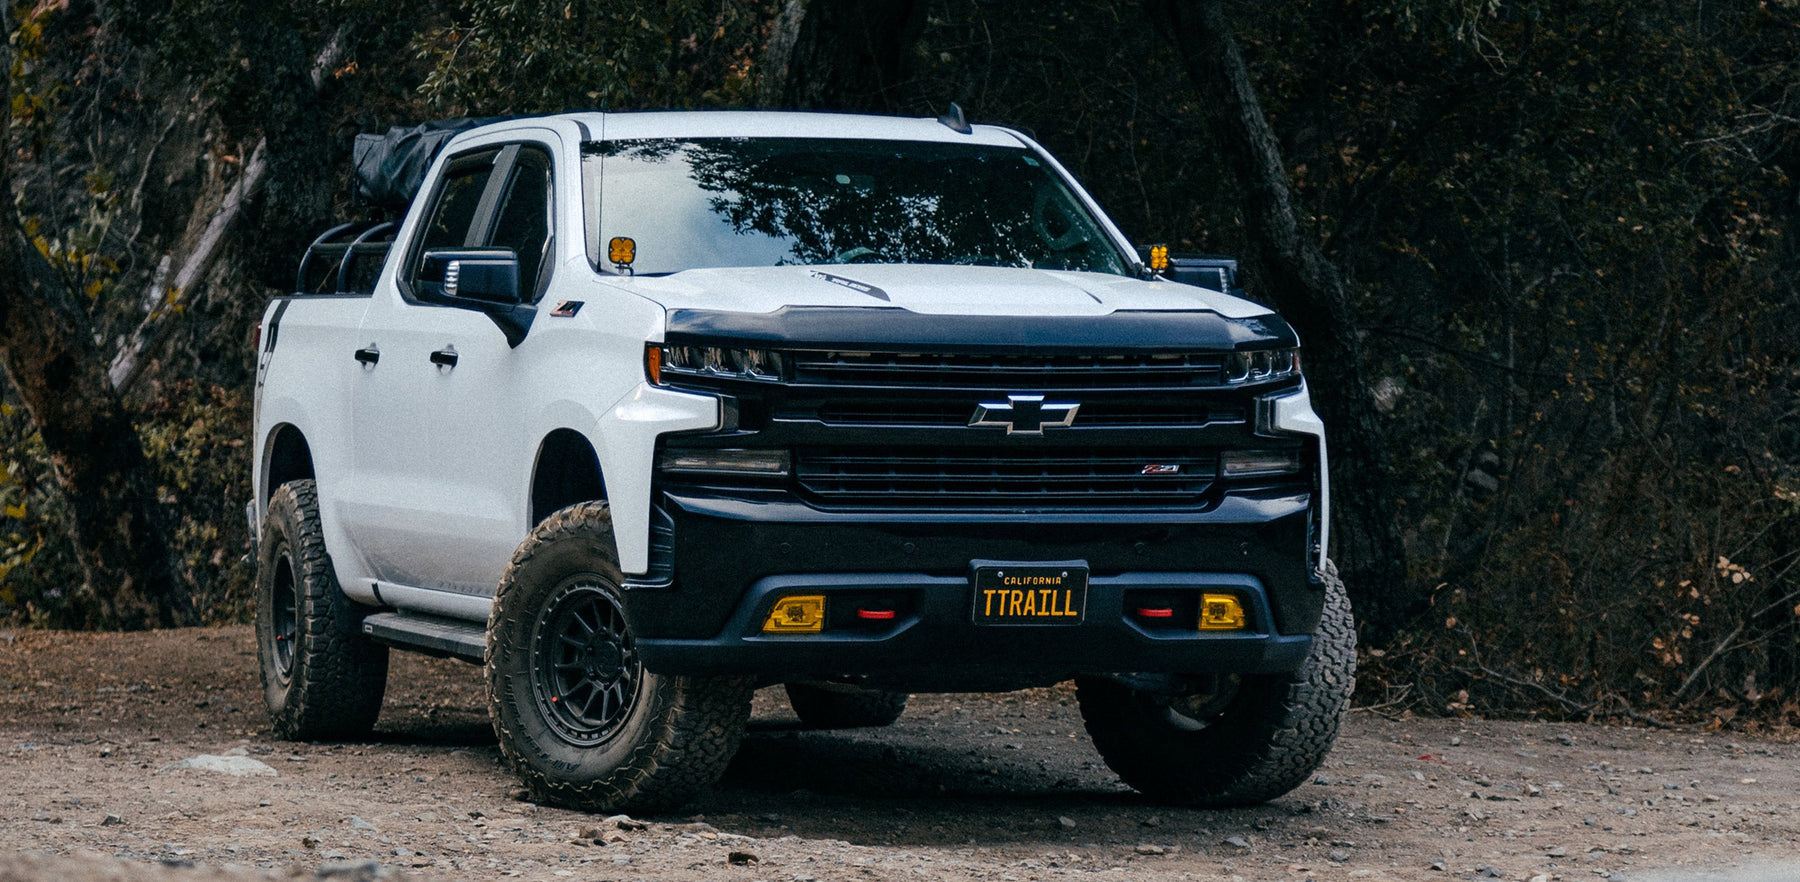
<point x="1266" y="741"/>
<point x="655" y="741"/>
<point x="835" y="706"/>
<point x="322" y="679"/>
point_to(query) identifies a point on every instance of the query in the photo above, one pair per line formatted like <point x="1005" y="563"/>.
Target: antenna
<point x="954" y="119"/>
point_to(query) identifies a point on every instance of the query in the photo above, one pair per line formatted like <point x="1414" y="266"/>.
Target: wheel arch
<point x="289" y="459"/>
<point x="566" y="471"/>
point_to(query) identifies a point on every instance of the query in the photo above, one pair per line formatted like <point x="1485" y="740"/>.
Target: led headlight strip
<point x="1260" y="365"/>
<point x="760" y="365"/>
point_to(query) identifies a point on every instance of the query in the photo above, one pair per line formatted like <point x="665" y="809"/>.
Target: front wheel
<point x="577" y="715"/>
<point x="1245" y="740"/>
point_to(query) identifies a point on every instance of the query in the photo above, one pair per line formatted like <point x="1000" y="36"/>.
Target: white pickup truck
<point x="642" y="411"/>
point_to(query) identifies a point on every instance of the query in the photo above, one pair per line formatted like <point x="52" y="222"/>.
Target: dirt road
<point x="95" y="729"/>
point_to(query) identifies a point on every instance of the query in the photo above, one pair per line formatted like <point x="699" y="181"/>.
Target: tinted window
<point x="461" y="196"/>
<point x="524" y="222"/>
<point x="775" y="201"/>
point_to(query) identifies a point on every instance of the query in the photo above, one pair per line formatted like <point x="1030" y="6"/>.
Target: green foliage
<point x="35" y="96"/>
<point x="1572" y="244"/>
<point x="194" y="436"/>
<point x="536" y="56"/>
<point x="38" y="570"/>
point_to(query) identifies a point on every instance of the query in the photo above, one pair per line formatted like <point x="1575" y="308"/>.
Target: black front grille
<point x="959" y="412"/>
<point x="1009" y="371"/>
<point x="1036" y="479"/>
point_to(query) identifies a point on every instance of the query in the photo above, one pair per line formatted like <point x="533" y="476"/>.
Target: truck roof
<point x="391" y="166"/>
<point x="635" y="125"/>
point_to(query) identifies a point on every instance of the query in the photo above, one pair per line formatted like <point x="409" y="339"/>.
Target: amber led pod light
<point x="1221" y="612"/>
<point x="800" y="614"/>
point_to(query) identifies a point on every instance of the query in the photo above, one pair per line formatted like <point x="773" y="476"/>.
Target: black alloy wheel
<point x="587" y="672"/>
<point x="284" y="618"/>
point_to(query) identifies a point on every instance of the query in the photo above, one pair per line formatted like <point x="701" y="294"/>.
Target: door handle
<point x="445" y="357"/>
<point x="368" y="354"/>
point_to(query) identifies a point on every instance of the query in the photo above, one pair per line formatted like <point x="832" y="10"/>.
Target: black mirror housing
<point x="1213" y="271"/>
<point x="481" y="275"/>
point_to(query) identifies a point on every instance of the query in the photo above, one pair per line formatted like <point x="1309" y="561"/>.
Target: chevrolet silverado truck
<point x="644" y="411"/>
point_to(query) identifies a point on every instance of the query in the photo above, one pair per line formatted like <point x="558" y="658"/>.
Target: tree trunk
<point x="847" y="55"/>
<point x="120" y="531"/>
<point x="1313" y="297"/>
<point x="784" y="35"/>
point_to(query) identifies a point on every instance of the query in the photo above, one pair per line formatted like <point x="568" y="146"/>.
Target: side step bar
<point x="444" y="638"/>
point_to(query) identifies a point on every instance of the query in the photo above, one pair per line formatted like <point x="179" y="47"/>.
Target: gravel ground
<point x="149" y="757"/>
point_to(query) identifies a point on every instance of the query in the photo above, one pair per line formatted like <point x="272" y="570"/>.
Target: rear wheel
<point x="322" y="679"/>
<point x="842" y="706"/>
<point x="1240" y="741"/>
<point x="579" y="718"/>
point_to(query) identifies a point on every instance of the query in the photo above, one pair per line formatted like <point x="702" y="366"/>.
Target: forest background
<point x="1561" y="233"/>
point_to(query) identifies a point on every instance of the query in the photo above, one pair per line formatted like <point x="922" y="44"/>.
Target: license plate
<point x="1030" y="594"/>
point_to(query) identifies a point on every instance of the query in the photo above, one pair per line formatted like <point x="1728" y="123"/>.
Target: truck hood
<point x="929" y="290"/>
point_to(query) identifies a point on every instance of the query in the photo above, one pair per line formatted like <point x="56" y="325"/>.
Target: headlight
<point x="762" y="365"/>
<point x="1261" y="365"/>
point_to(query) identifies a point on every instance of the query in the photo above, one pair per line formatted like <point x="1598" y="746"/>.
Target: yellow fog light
<point x="804" y="614"/>
<point x="1221" y="612"/>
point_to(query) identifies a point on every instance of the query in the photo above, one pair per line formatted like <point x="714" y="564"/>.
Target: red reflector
<point x="1156" y="612"/>
<point x="877" y="615"/>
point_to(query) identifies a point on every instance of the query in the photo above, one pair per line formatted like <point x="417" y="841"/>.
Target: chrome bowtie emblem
<point x="1025" y="414"/>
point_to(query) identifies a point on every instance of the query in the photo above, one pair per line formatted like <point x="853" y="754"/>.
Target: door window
<point x="456" y="206"/>
<point x="496" y="198"/>
<point x="454" y="214"/>
<point x="524" y="220"/>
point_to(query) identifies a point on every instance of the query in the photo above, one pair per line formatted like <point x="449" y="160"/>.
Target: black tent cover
<point x="390" y="167"/>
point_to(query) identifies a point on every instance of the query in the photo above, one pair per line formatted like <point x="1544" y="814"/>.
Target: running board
<point x="444" y="638"/>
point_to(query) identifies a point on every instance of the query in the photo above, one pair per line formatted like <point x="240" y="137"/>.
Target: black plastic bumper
<point x="734" y="557"/>
<point x="935" y="637"/>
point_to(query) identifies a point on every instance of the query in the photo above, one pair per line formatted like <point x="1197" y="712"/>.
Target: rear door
<point x="441" y="458"/>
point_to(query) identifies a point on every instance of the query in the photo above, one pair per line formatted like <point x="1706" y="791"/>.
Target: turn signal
<point x="1221" y="612"/>
<point x="802" y="614"/>
<point x="653" y="356"/>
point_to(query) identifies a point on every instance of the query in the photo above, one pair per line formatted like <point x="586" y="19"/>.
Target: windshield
<point x="710" y="202"/>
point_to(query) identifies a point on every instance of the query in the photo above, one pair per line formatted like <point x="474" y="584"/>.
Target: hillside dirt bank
<point x="94" y="727"/>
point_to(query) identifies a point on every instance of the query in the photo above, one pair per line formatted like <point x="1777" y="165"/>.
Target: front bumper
<point x="733" y="557"/>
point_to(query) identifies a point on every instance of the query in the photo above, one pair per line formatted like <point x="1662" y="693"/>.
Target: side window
<point x="524" y="220"/>
<point x="454" y="213"/>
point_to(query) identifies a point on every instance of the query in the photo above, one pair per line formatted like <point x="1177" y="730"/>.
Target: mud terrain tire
<point x="834" y="706"/>
<point x="322" y="679"/>
<point x="578" y="717"/>
<point x="1252" y="746"/>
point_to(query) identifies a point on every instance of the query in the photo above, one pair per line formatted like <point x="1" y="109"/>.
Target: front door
<point x="441" y="459"/>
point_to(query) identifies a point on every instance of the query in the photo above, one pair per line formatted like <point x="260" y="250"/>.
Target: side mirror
<point x="1200" y="270"/>
<point x="482" y="275"/>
